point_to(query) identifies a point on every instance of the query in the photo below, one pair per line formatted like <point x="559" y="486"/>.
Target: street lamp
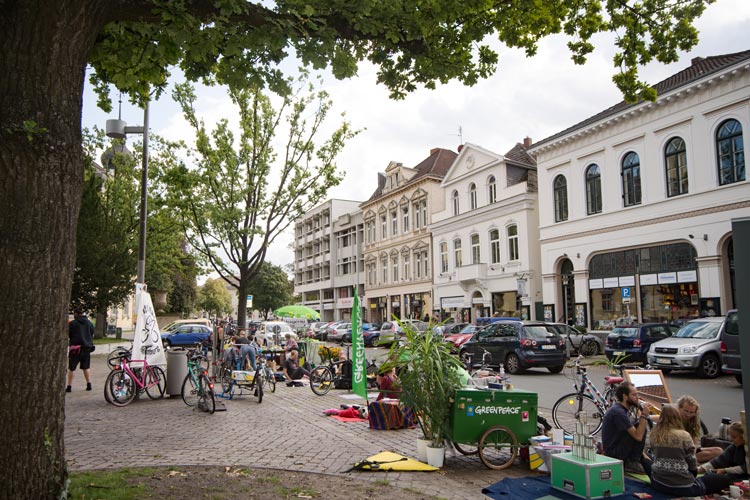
<point x="118" y="129"/>
<point x="565" y="280"/>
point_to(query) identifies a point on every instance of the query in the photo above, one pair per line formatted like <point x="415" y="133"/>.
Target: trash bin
<point x="176" y="370"/>
<point x="118" y="333"/>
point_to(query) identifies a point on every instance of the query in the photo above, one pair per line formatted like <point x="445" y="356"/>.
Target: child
<point x="730" y="466"/>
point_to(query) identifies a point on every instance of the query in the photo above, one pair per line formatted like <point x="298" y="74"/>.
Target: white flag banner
<point x="147" y="338"/>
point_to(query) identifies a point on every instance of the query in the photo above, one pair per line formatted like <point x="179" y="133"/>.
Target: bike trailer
<point x="243" y="376"/>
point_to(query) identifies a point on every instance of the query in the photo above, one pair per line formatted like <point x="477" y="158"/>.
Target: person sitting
<point x="675" y="466"/>
<point x="292" y="370"/>
<point x="690" y="413"/>
<point x="388" y="384"/>
<point x="621" y="437"/>
<point x="730" y="466"/>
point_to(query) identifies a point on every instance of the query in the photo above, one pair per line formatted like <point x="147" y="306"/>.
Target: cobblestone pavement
<point x="286" y="431"/>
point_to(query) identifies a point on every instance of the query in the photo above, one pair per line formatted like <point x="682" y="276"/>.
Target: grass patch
<point x="269" y="479"/>
<point x="110" y="340"/>
<point x="119" y="484"/>
<point x="382" y="482"/>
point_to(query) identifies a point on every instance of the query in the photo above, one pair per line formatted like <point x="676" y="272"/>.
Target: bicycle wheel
<point x="258" y="383"/>
<point x="122" y="388"/>
<point x="269" y="379"/>
<point x="190" y="390"/>
<point x="227" y="384"/>
<point x="155" y="382"/>
<point x="569" y="409"/>
<point x="466" y="449"/>
<point x="498" y="447"/>
<point x="206" y="401"/>
<point x="321" y="380"/>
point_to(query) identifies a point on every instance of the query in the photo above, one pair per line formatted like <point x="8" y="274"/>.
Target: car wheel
<point x="513" y="364"/>
<point x="555" y="369"/>
<point x="590" y="348"/>
<point x="709" y="367"/>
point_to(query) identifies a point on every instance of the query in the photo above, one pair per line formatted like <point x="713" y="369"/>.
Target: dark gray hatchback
<point x="730" y="346"/>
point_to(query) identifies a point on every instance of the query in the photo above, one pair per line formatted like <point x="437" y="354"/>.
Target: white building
<point x="485" y="242"/>
<point x="636" y="202"/>
<point x="323" y="271"/>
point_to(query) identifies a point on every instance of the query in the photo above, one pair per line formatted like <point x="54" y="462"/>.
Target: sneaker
<point x="634" y="467"/>
<point x="88" y="386"/>
<point x="69" y="389"/>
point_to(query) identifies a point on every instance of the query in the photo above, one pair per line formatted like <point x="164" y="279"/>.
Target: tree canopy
<point x="214" y="298"/>
<point x="271" y="288"/>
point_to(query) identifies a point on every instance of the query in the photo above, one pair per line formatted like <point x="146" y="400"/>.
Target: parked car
<point x="696" y="347"/>
<point x="337" y="333"/>
<point x="391" y="331"/>
<point x="449" y="328"/>
<point x="186" y="335"/>
<point x="730" y="346"/>
<point x="579" y="343"/>
<point x="460" y="338"/>
<point x="371" y="337"/>
<point x="267" y="334"/>
<point x="370" y="326"/>
<point x="635" y="340"/>
<point x="195" y="321"/>
<point x="324" y="331"/>
<point x="518" y="345"/>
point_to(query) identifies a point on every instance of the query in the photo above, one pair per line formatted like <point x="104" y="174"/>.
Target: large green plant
<point x="429" y="376"/>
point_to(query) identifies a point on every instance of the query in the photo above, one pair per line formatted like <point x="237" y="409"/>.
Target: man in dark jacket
<point x="81" y="339"/>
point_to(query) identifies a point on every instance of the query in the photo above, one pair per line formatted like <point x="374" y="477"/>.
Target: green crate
<point x="476" y="410"/>
<point x="602" y="477"/>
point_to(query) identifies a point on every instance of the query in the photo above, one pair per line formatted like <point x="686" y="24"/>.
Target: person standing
<point x="621" y="437"/>
<point x="81" y="340"/>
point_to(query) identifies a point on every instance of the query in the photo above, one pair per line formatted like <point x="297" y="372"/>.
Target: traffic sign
<point x="626" y="295"/>
<point x="249" y="301"/>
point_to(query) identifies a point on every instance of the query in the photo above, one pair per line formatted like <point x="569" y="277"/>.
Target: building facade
<point x="398" y="271"/>
<point x="636" y="202"/>
<point x="317" y="258"/>
<point x="484" y="243"/>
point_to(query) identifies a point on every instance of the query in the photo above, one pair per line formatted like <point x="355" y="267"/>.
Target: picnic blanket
<point x="537" y="487"/>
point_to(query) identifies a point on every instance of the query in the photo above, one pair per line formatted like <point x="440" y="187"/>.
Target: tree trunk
<point x="242" y="303"/>
<point x="42" y="62"/>
<point x="100" y="329"/>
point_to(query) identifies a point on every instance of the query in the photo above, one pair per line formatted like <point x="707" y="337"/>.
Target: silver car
<point x="696" y="346"/>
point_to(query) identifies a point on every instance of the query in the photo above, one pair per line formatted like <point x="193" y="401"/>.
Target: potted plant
<point x="429" y="376"/>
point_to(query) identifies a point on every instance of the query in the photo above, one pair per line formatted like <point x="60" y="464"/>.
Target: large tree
<point x="241" y="194"/>
<point x="214" y="298"/>
<point x="47" y="45"/>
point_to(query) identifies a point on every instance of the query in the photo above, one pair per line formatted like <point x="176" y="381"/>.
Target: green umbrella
<point x="297" y="312"/>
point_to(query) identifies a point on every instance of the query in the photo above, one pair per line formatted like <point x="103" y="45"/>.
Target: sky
<point x="526" y="97"/>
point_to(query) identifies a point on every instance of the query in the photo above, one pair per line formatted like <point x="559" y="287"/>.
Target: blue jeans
<point x="249" y="351"/>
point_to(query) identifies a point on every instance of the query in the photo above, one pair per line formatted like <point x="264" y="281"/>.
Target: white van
<point x="269" y="334"/>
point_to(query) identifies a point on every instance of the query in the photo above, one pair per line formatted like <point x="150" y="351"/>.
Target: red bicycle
<point x="124" y="383"/>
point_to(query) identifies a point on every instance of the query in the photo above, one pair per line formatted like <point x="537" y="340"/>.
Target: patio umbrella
<point x="297" y="312"/>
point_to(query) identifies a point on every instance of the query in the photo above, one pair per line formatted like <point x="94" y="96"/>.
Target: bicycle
<point x="483" y="372"/>
<point x="586" y="401"/>
<point x="337" y="374"/>
<point x="236" y="377"/>
<point x="197" y="390"/>
<point x="269" y="379"/>
<point x="115" y="357"/>
<point x="123" y="383"/>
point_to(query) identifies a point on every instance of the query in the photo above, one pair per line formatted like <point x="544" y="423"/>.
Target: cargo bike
<point x="493" y="423"/>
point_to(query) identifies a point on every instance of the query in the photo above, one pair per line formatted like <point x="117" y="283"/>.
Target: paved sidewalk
<point x="286" y="431"/>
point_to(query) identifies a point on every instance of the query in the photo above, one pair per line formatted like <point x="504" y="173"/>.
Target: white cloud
<point x="534" y="97"/>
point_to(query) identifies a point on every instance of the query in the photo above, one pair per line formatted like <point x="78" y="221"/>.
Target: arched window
<point x="454" y="200"/>
<point x="593" y="189"/>
<point x="631" y="179"/>
<point x="495" y="246"/>
<point x="476" y="255"/>
<point x="731" y="152"/>
<point x="513" y="242"/>
<point x="457" y="260"/>
<point x="472" y="196"/>
<point x="561" y="198"/>
<point x="675" y="160"/>
<point x="491" y="190"/>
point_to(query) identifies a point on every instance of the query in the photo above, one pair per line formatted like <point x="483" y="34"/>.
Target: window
<point x="454" y="199"/>
<point x="472" y="196"/>
<point x="394" y="222"/>
<point x="405" y="260"/>
<point x="631" y="179"/>
<point x="513" y="242"/>
<point x="495" y="246"/>
<point x="426" y="262"/>
<point x="384" y="268"/>
<point x="394" y="266"/>
<point x="417" y="218"/>
<point x="593" y="189"/>
<point x="424" y="212"/>
<point x="475" y="252"/>
<point x="384" y="226"/>
<point x="444" y="257"/>
<point x="561" y="198"/>
<point x="370" y="231"/>
<point x="491" y="190"/>
<point x="676" y="165"/>
<point x="405" y="218"/>
<point x="731" y="152"/>
<point x="457" y="253"/>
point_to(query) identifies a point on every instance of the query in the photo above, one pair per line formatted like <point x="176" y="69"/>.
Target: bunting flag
<point x="359" y="362"/>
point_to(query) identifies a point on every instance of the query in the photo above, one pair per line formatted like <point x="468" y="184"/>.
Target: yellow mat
<point x="387" y="461"/>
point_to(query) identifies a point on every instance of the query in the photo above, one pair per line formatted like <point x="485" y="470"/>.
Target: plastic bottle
<point x="724" y="428"/>
<point x="502" y="372"/>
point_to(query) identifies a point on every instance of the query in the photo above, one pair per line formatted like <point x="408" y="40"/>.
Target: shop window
<point x="561" y="198"/>
<point x="675" y="159"/>
<point x="731" y="152"/>
<point x="631" y="179"/>
<point x="593" y="189"/>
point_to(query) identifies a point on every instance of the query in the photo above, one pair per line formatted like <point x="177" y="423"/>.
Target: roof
<point x="519" y="156"/>
<point x="436" y="165"/>
<point x="699" y="68"/>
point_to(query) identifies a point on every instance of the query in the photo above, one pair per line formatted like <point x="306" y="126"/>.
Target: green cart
<point x="493" y="423"/>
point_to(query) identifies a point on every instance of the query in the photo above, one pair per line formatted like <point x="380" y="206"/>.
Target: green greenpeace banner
<point x="359" y="362"/>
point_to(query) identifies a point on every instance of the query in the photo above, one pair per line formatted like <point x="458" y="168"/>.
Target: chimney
<point x="695" y="60"/>
<point x="526" y="141"/>
<point x="460" y="147"/>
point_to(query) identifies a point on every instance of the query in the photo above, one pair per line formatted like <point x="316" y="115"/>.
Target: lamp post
<point x="118" y="129"/>
<point x="565" y="280"/>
